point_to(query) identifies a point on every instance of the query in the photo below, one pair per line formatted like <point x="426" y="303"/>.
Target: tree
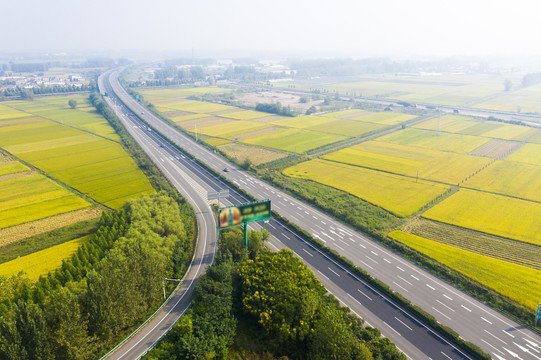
<point x="246" y="164"/>
<point x="507" y="84"/>
<point x="72" y="103"/>
<point x="27" y="94"/>
<point x="283" y="296"/>
<point x="312" y="109"/>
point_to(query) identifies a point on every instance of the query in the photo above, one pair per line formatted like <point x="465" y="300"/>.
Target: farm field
<point x="34" y="197"/>
<point x="510" y="178"/>
<point x="406" y="160"/>
<point x="457" y="143"/>
<point x="86" y="160"/>
<point x="484" y="212"/>
<point x="56" y="108"/>
<point x="496" y="274"/>
<point x="529" y="154"/>
<point x="397" y="194"/>
<point x="293" y="140"/>
<point x="256" y="155"/>
<point x="294" y="134"/>
<point x="41" y="262"/>
<point x="497" y="247"/>
<point x="520" y="100"/>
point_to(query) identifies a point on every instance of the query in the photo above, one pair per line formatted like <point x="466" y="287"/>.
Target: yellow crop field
<point x="494" y="214"/>
<point x="509" y="178"/>
<point x="97" y="167"/>
<point x="232" y="128"/>
<point x="397" y="194"/>
<point x="517" y="282"/>
<point x="305" y="121"/>
<point x="386" y="118"/>
<point x="216" y="141"/>
<point x="293" y="140"/>
<point x="412" y="161"/>
<point x="199" y="107"/>
<point x="338" y="114"/>
<point x="44" y="199"/>
<point x="245" y="115"/>
<point x="457" y="143"/>
<point x="448" y="123"/>
<point x="529" y="153"/>
<point x="511" y="132"/>
<point x="347" y="128"/>
<point x="12" y="167"/>
<point x="41" y="262"/>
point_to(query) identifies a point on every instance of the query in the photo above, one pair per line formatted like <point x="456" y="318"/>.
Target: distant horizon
<point x="417" y="28"/>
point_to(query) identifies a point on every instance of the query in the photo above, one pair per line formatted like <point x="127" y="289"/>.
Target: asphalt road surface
<point x="497" y="334"/>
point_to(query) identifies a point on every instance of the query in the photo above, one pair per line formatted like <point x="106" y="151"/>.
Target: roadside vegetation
<point x="258" y="304"/>
<point x="108" y="286"/>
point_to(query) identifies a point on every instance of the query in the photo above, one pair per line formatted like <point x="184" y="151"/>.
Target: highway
<point x="177" y="304"/>
<point x="500" y="336"/>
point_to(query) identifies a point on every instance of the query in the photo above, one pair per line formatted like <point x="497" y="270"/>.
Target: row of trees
<point x="274" y="300"/>
<point x="275" y="108"/>
<point x="28" y="94"/>
<point x="109" y="285"/>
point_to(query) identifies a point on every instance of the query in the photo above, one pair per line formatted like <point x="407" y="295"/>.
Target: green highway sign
<point x="244" y="213"/>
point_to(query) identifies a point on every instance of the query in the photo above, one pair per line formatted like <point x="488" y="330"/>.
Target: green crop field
<point x="293" y="140"/>
<point x="412" y="161"/>
<point x="41" y="262"/>
<point x="397" y="194"/>
<point x="232" y="128"/>
<point x="517" y="282"/>
<point x="301" y="122"/>
<point x="245" y="115"/>
<point x="385" y="118"/>
<point x="457" y="143"/>
<point x="448" y="123"/>
<point x="56" y="108"/>
<point x="188" y="117"/>
<point x="347" y="128"/>
<point x="529" y="153"/>
<point x="509" y="178"/>
<point x="494" y="214"/>
<point x="34" y="197"/>
<point x="347" y="113"/>
<point x="199" y="107"/>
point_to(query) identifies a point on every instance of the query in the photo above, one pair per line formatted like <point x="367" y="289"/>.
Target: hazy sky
<point x="375" y="27"/>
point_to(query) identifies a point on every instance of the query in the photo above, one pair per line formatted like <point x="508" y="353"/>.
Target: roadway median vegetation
<point x="258" y="304"/>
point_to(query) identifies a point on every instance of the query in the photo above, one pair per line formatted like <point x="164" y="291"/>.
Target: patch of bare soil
<point x="266" y="97"/>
